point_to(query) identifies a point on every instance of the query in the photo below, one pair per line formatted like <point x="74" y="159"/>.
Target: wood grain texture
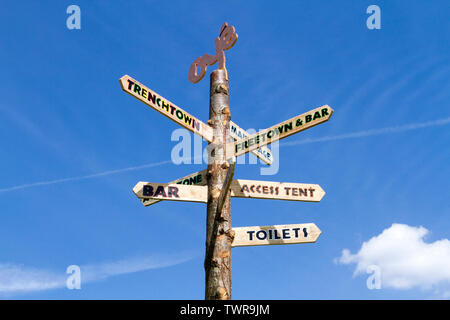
<point x="225" y="187"/>
<point x="218" y="224"/>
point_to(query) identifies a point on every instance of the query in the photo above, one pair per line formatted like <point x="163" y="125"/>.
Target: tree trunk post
<point x="219" y="234"/>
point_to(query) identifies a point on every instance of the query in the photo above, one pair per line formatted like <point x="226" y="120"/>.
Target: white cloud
<point x="20" y="279"/>
<point x="404" y="258"/>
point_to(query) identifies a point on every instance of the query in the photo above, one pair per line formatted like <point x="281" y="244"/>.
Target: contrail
<point x="90" y="176"/>
<point x="17" y="278"/>
<point x="359" y="134"/>
<point x="365" y="133"/>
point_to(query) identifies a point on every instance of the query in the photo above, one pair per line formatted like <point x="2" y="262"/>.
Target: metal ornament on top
<point x="226" y="40"/>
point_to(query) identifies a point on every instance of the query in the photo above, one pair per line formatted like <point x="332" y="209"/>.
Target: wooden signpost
<point x="215" y="185"/>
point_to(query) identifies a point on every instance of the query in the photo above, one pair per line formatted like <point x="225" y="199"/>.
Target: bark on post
<point x="219" y="235"/>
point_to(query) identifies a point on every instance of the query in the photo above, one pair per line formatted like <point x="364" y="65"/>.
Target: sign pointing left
<point x="167" y="108"/>
<point x="168" y="191"/>
<point x="197" y="178"/>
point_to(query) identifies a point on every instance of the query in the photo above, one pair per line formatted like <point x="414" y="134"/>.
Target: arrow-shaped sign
<point x="282" y="130"/>
<point x="196" y="178"/>
<point x="193" y="188"/>
<point x="173" y="192"/>
<point x="276" y="190"/>
<point x="167" y="108"/>
<point x="272" y="235"/>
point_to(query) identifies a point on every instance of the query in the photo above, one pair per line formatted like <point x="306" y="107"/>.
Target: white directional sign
<point x="272" y="235"/>
<point x="279" y="131"/>
<point x="197" y="178"/>
<point x="167" y="108"/>
<point x="241" y="188"/>
<point x="276" y="190"/>
<point x="263" y="153"/>
<point x="173" y="192"/>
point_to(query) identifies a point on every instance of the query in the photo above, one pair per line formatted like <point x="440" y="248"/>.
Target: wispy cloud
<point x="15" y="279"/>
<point x="352" y="135"/>
<point x="131" y="265"/>
<point x="18" y="278"/>
<point x="372" y="132"/>
<point x="90" y="176"/>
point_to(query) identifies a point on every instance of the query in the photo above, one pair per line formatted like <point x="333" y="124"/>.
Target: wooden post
<point x="219" y="235"/>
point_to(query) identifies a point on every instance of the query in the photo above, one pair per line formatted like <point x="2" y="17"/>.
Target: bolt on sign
<point x="194" y="187"/>
<point x="275" y="235"/>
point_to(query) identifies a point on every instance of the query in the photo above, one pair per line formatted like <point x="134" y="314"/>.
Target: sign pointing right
<point x="282" y="130"/>
<point x="280" y="234"/>
<point x="276" y="190"/>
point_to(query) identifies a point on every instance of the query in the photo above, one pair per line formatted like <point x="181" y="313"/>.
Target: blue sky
<point x="73" y="145"/>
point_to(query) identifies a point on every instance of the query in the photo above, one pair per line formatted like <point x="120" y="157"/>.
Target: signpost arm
<point x="219" y="235"/>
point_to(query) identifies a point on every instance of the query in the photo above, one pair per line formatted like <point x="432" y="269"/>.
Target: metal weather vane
<point x="226" y="40"/>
